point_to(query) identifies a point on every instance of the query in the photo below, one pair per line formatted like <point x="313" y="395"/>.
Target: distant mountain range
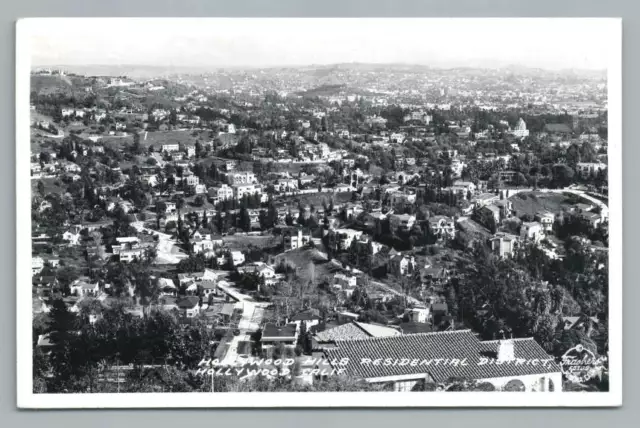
<point x="149" y="71"/>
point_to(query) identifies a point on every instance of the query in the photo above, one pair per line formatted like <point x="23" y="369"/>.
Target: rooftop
<point x="452" y="345"/>
<point x="271" y="330"/>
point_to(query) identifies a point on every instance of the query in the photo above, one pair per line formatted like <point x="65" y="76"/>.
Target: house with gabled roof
<point x="189" y="306"/>
<point x="438" y="357"/>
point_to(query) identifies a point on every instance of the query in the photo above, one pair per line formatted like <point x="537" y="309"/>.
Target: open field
<point x="303" y="258"/>
<point x="156" y="138"/>
<point x="316" y="199"/>
<point x="532" y="202"/>
<point x="239" y="242"/>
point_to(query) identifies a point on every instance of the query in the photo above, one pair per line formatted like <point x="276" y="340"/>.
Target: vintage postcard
<point x="319" y="212"/>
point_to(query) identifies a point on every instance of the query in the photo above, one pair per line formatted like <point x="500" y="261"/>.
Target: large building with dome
<point x="521" y="129"/>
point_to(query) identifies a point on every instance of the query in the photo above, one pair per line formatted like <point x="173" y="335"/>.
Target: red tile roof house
<point x="437" y="357"/>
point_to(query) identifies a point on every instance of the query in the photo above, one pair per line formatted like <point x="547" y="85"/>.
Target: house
<point x="344" y="282"/>
<point x="189" y="306"/>
<point x="241" y="177"/>
<point x="295" y="238"/>
<point x="127" y="256"/>
<point x="220" y="193"/>
<point x="439" y="312"/>
<point x="489" y="214"/>
<point x="208" y="287"/>
<point x="546" y="219"/>
<point x="167" y="287"/>
<point x="433" y="276"/>
<point x="463" y="187"/>
<point x="240" y="190"/>
<point x="594" y="219"/>
<point x="485" y="199"/>
<point x="309" y="318"/>
<point x="286" y="185"/>
<point x="45" y="285"/>
<point x="405" y="197"/>
<point x="202" y="245"/>
<point x="37" y="264"/>
<point x="401" y="265"/>
<point x="585" y="169"/>
<point x="189" y="149"/>
<point x="531" y="231"/>
<point x="83" y="287"/>
<point x="272" y="336"/>
<point x="507" y="176"/>
<point x="191" y="180"/>
<point x="438" y="357"/>
<point x="442" y="226"/>
<point x="503" y="244"/>
<point x="125" y="243"/>
<point x="402" y="221"/>
<point x="344" y="237"/>
<point x="237" y="258"/>
<point x="170" y="147"/>
<point x="418" y="314"/>
<point x="260" y="268"/>
<point x="372" y="218"/>
<point x="36" y="169"/>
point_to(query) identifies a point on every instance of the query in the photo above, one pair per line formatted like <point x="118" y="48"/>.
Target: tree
<point x="289" y="219"/>
<point x="244" y="221"/>
<point x="62" y="334"/>
<point x="571" y="338"/>
<point x="562" y="175"/>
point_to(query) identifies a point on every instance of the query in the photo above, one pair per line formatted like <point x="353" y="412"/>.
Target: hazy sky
<point x="545" y="43"/>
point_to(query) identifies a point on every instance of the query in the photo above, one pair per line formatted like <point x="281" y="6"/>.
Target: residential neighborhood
<point x="406" y="213"/>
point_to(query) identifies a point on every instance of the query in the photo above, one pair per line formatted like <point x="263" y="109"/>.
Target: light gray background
<point x="10" y="11"/>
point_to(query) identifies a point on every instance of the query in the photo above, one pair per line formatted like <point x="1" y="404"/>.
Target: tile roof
<point x="342" y="332"/>
<point x="375" y="330"/>
<point x="435" y="353"/>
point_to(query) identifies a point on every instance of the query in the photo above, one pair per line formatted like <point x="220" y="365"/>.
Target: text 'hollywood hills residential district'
<point x="325" y="228"/>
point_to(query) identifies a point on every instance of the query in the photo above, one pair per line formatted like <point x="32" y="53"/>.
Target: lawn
<point x="533" y="202"/>
<point x="157" y="138"/>
<point x="304" y="258"/>
<point x="316" y="199"/>
<point x="241" y="242"/>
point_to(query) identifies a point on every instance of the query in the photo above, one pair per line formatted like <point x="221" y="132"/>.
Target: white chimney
<point x="505" y="350"/>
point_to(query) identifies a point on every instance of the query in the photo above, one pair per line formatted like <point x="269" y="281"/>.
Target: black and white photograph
<point x="326" y="212"/>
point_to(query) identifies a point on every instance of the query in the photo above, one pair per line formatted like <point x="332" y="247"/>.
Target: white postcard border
<point x="27" y="399"/>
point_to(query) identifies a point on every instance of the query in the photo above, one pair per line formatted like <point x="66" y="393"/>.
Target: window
<point x="404" y="386"/>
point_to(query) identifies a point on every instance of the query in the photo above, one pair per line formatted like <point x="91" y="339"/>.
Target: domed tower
<point x="521" y="129"/>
